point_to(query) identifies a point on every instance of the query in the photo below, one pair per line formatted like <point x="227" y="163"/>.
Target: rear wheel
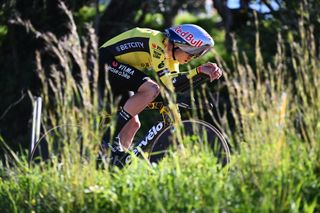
<point x="65" y="141"/>
<point x="198" y="131"/>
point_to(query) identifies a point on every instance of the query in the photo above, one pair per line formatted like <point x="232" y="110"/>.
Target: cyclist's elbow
<point x="155" y="90"/>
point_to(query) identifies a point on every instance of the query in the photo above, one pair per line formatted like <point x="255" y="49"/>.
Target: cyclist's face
<point x="182" y="56"/>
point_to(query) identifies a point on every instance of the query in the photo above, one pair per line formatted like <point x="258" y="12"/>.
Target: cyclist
<point x="131" y="57"/>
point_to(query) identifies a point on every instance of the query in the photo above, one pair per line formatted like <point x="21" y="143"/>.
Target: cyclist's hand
<point x="210" y="69"/>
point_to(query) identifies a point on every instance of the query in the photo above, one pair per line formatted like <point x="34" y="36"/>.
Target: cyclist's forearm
<point x="182" y="81"/>
<point x="189" y="74"/>
<point x="192" y="73"/>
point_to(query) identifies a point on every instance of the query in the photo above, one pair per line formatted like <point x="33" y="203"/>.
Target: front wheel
<point x="201" y="131"/>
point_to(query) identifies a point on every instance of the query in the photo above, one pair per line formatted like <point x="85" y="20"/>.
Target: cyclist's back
<point x="143" y="49"/>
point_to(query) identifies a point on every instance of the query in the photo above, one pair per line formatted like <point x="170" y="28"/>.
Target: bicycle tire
<point x="51" y="143"/>
<point x="215" y="140"/>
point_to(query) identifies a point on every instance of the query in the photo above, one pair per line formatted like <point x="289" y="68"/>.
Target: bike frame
<point x="155" y="130"/>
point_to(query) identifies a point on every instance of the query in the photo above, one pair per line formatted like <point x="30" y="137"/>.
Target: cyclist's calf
<point x="129" y="131"/>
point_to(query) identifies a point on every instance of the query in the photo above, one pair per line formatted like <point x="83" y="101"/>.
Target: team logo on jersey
<point x="157" y="48"/>
<point x="154" y="46"/>
<point x="126" y="69"/>
<point x="163" y="72"/>
<point x="121" y="70"/>
<point x="156" y="54"/>
<point x="174" y="80"/>
<point x="161" y="65"/>
<point x="115" y="64"/>
<point x="144" y="65"/>
<point x="129" y="45"/>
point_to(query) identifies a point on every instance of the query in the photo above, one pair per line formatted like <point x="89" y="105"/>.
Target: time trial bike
<point x="155" y="144"/>
<point x="161" y="137"/>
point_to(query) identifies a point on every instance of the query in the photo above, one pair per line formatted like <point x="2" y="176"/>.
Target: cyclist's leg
<point x="124" y="78"/>
<point x="129" y="131"/>
<point x="145" y="90"/>
<point x="146" y="93"/>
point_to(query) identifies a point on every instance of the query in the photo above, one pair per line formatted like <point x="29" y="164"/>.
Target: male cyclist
<point x="132" y="56"/>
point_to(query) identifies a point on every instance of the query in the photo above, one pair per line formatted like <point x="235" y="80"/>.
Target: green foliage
<point x="261" y="178"/>
<point x="3" y="33"/>
<point x="153" y="21"/>
<point x="184" y="18"/>
<point x="85" y="14"/>
<point x="3" y="27"/>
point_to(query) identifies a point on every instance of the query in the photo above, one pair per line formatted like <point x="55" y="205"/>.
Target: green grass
<point x="260" y="179"/>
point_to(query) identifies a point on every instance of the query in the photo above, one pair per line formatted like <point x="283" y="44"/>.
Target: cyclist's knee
<point x="135" y="123"/>
<point x="155" y="90"/>
<point x="151" y="88"/>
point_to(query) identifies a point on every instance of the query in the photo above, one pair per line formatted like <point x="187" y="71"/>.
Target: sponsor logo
<point x="122" y="70"/>
<point x="126" y="69"/>
<point x="157" y="48"/>
<point x="174" y="80"/>
<point x="161" y="65"/>
<point x="151" y="134"/>
<point x="115" y="64"/>
<point x="154" y="46"/>
<point x="163" y="72"/>
<point x="160" y="49"/>
<point x="156" y="54"/>
<point x="188" y="36"/>
<point x="144" y="65"/>
<point x="129" y="45"/>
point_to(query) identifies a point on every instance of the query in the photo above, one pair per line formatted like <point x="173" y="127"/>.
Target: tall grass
<point x="275" y="167"/>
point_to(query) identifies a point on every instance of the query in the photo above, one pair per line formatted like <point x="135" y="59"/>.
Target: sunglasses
<point x="194" y="51"/>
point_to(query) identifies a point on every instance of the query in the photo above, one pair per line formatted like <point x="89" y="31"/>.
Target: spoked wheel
<point x="198" y="131"/>
<point x="59" y="141"/>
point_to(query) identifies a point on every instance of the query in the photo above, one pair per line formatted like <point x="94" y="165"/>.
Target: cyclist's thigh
<point x="124" y="78"/>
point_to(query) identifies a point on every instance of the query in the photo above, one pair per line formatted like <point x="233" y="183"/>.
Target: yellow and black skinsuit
<point x="132" y="56"/>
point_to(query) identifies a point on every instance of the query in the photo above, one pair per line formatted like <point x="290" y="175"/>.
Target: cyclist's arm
<point x="178" y="81"/>
<point x="182" y="81"/>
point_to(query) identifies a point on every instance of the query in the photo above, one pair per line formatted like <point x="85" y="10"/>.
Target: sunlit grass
<point x="188" y="181"/>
